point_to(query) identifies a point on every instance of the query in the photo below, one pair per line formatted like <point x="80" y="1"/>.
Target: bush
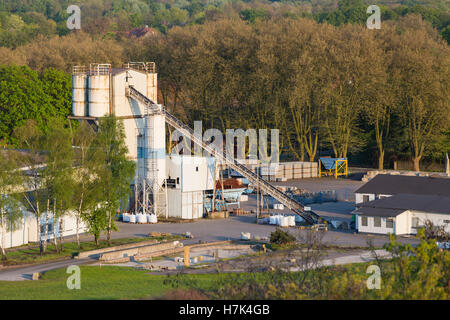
<point x="281" y="237"/>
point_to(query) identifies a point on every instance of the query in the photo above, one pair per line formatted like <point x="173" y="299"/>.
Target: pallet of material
<point x="218" y="215"/>
<point x="240" y="212"/>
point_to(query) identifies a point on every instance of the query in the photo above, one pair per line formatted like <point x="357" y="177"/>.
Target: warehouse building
<point x="25" y="230"/>
<point x="401" y="204"/>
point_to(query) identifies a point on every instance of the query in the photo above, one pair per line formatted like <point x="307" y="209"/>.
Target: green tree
<point x="116" y="172"/>
<point x="10" y="208"/>
<point x="30" y="138"/>
<point x="58" y="174"/>
<point x="86" y="184"/>
<point x="22" y="97"/>
<point x="57" y="85"/>
<point x="420" y="68"/>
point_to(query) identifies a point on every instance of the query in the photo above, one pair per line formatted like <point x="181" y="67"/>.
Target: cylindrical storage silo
<point x="98" y="95"/>
<point x="79" y="93"/>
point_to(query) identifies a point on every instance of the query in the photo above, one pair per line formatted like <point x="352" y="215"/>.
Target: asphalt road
<point x="26" y="273"/>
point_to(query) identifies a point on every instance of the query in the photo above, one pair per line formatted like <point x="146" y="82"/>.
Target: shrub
<point x="281" y="237"/>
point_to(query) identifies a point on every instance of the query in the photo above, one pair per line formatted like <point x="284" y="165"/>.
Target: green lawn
<point x="32" y="256"/>
<point x="112" y="282"/>
<point x="106" y="282"/>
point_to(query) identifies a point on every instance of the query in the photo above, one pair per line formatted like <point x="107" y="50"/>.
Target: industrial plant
<point x="167" y="185"/>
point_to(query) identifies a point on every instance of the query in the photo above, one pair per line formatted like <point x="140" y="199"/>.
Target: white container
<point x="147" y="216"/>
<point x="125" y="217"/>
<point x="80" y="94"/>
<point x="244" y="198"/>
<point x="132" y="218"/>
<point x="291" y="221"/>
<point x="153" y="218"/>
<point x="141" y="218"/>
<point x="98" y="95"/>
<point x="284" y="222"/>
<point x="273" y="220"/>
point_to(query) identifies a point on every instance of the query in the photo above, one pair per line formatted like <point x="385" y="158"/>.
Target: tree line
<point x="344" y="90"/>
<point x="22" y="21"/>
<point x="374" y="96"/>
<point x="87" y="176"/>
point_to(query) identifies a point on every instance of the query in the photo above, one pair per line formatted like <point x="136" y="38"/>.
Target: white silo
<point x="79" y="91"/>
<point x="99" y="90"/>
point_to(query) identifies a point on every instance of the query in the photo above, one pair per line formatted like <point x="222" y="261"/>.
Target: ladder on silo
<point x="255" y="179"/>
<point x="150" y="196"/>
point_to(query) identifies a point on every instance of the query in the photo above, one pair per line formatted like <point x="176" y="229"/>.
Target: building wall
<point x="185" y="205"/>
<point x="193" y="173"/>
<point x="403" y="223"/>
<point x="370" y="228"/>
<point x="436" y="218"/>
<point x="26" y="230"/>
<point x="360" y="196"/>
<point x="123" y="106"/>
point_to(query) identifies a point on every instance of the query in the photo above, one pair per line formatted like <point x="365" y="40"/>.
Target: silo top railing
<point x="149" y="67"/>
<point x="99" y="69"/>
<point x="79" y="70"/>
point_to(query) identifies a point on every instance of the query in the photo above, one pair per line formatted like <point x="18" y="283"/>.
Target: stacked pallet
<point x="303" y="170"/>
<point x="297" y="170"/>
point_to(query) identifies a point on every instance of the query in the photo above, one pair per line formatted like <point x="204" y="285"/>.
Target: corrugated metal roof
<point x="424" y="203"/>
<point x="395" y="184"/>
<point x="378" y="212"/>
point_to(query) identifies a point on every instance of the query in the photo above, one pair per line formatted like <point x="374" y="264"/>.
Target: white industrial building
<point x="171" y="186"/>
<point x="25" y="230"/>
<point x="187" y="179"/>
<point x="400" y="204"/>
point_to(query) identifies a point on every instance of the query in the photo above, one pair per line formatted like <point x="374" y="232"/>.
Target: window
<point x="178" y="180"/>
<point x="364" y="221"/>
<point x="446" y="221"/>
<point x="377" y="222"/>
<point x="415" y="222"/>
<point x="389" y="223"/>
<point x="365" y="198"/>
<point x="196" y="169"/>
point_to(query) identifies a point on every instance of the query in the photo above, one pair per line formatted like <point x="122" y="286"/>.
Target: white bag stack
<point x="153" y="218"/>
<point x="291" y="221"/>
<point x="284" y="221"/>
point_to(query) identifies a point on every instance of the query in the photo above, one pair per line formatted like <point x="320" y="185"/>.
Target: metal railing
<point x="149" y="67"/>
<point x="79" y="70"/>
<point x="97" y="69"/>
<point x="265" y="186"/>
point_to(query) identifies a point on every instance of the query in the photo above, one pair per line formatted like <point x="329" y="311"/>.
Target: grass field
<point x="32" y="256"/>
<point x="106" y="282"/>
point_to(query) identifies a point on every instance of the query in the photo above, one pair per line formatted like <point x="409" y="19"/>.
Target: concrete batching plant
<point x="164" y="185"/>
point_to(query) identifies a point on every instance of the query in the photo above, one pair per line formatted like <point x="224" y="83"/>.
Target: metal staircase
<point x="265" y="186"/>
